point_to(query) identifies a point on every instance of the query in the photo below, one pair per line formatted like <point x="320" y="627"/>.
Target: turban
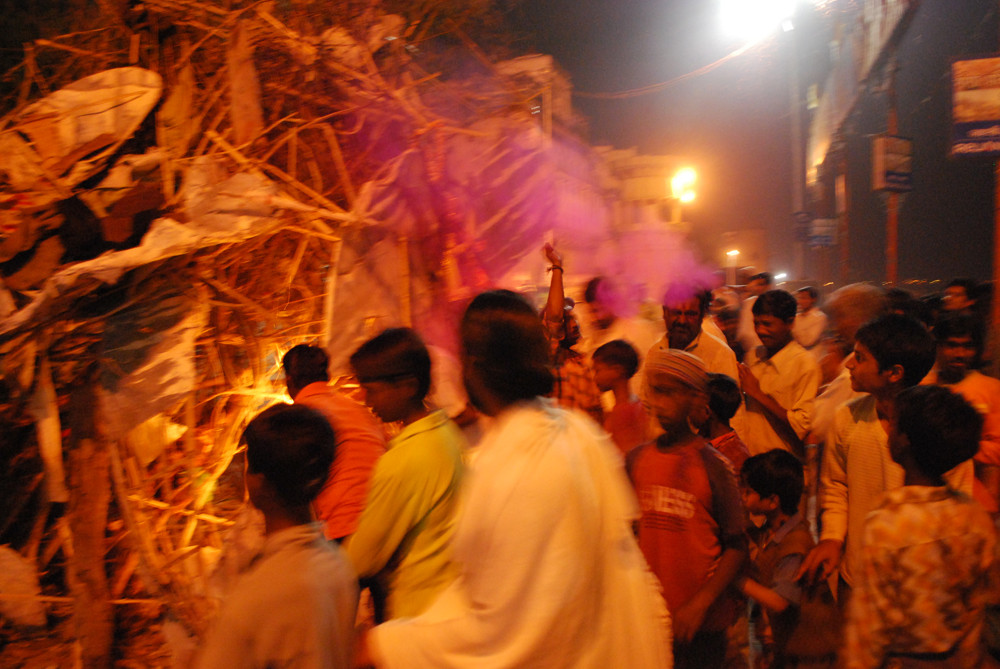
<point x="683" y="366"/>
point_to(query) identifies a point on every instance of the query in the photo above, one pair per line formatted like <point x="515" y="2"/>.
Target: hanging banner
<point x="891" y="160"/>
<point x="975" y="107"/>
<point x="823" y="232"/>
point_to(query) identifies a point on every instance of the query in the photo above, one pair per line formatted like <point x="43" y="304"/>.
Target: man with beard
<point x="684" y="310"/>
<point x="959" y="346"/>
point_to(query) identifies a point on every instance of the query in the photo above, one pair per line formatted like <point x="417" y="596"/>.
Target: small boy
<point x="691" y="527"/>
<point x="297" y="604"/>
<point x="724" y="398"/>
<point x="923" y="583"/>
<point x="404" y="533"/>
<point x="772" y="487"/>
<point x="615" y="363"/>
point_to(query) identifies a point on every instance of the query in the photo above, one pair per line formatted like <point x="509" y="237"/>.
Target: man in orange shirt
<point x="360" y="440"/>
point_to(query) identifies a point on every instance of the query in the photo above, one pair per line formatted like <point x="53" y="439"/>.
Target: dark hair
<point x="724" y="396"/>
<point x="775" y="472"/>
<point x="959" y="325"/>
<point x="894" y="339"/>
<point x="621" y="353"/>
<point x="396" y="353"/>
<point x="778" y="303"/>
<point x="902" y="302"/>
<point x="764" y="276"/>
<point x="942" y="427"/>
<point x="590" y="292"/>
<point x="504" y="340"/>
<point x="305" y="364"/>
<point x="969" y="285"/>
<point x="810" y="290"/>
<point x="293" y="447"/>
<point x="704" y="300"/>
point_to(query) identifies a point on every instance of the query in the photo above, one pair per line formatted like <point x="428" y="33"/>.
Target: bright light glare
<point x="780" y="277"/>
<point x="733" y="253"/>
<point x="681" y="184"/>
<point x="753" y="20"/>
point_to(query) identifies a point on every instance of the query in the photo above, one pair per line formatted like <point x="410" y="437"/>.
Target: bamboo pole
<point x="88" y="517"/>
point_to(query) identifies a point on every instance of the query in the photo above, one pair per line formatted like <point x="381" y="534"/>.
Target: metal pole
<point x="994" y="331"/>
<point x="892" y="219"/>
<point x="798" y="160"/>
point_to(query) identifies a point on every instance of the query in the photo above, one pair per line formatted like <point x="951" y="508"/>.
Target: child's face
<point x="865" y="374"/>
<point x="671" y="401"/>
<point x="605" y="375"/>
<point x="754" y="503"/>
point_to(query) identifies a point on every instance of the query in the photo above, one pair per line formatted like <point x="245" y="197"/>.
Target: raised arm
<point x="557" y="295"/>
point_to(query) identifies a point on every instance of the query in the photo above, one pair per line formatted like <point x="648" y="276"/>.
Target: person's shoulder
<point x="716" y="464"/>
<point x="636" y="453"/>
<point x="798" y="540"/>
<point x="978" y="379"/>
<point x="798" y="354"/>
<point x="858" y="408"/>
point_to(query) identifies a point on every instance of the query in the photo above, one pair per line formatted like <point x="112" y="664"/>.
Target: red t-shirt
<point x="691" y="509"/>
<point x="360" y="442"/>
<point x="628" y="425"/>
<point x="731" y="446"/>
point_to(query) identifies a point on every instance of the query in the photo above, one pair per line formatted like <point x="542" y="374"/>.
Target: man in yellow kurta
<point x="404" y="533"/>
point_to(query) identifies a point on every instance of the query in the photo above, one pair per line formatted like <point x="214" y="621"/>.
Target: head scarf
<point x="683" y="366"/>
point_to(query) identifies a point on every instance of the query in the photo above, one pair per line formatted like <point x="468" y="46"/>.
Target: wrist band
<point x="558" y="267"/>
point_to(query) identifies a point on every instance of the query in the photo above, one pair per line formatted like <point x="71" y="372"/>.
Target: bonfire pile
<point x="184" y="195"/>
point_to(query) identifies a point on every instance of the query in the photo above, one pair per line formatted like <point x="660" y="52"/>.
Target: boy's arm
<point x="825" y="558"/>
<point x="766" y="597"/>
<point x="690" y="615"/>
<point x="783" y="590"/>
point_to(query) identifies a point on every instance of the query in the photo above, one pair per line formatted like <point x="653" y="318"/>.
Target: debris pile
<point x="184" y="195"/>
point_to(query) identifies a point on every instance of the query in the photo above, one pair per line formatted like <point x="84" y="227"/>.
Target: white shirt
<point x="551" y="575"/>
<point x="791" y="376"/>
<point x="808" y="327"/>
<point x="857" y="470"/>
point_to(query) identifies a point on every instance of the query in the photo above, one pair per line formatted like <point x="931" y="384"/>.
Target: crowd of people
<point x="765" y="479"/>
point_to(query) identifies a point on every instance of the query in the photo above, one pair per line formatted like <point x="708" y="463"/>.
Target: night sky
<point x="734" y="124"/>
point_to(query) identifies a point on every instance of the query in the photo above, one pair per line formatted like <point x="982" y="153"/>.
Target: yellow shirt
<point x="406" y="528"/>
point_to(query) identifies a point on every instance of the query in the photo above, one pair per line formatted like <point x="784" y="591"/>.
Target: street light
<point x="754" y="20"/>
<point x="682" y="184"/>
<point x="733" y="256"/>
<point x="681" y="192"/>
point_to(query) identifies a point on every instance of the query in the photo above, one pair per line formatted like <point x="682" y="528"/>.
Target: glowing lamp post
<point x="733" y="258"/>
<point x="682" y="191"/>
<point x="753" y="21"/>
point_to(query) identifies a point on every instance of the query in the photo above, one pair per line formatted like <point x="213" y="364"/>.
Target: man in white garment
<point x="550" y="572"/>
